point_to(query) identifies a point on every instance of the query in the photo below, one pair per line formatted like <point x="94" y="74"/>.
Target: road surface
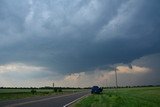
<point x="47" y="101"/>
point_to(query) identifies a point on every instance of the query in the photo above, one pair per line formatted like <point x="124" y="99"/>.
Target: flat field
<point x="123" y="97"/>
<point x="10" y="94"/>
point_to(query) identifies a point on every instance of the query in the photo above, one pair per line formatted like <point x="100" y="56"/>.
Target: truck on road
<point x="96" y="90"/>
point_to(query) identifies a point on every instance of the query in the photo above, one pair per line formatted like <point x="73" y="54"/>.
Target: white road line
<point x="19" y="104"/>
<point x="75" y="101"/>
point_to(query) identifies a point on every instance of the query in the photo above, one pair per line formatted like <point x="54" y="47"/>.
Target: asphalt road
<point x="47" y="101"/>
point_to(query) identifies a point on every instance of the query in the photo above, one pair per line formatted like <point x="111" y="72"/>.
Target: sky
<point x="79" y="43"/>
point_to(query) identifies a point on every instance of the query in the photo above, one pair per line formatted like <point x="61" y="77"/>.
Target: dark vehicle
<point x="96" y="89"/>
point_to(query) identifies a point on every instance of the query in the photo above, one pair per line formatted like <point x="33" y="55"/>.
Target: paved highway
<point x="47" y="101"/>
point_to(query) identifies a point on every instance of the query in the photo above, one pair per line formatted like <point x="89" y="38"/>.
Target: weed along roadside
<point x="123" y="97"/>
<point x="33" y="91"/>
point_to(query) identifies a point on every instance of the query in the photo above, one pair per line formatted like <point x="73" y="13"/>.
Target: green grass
<point x="9" y="94"/>
<point x="125" y="97"/>
<point x="23" y="90"/>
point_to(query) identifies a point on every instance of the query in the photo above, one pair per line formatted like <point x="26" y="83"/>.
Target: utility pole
<point x="53" y="86"/>
<point x="131" y="79"/>
<point x="106" y="83"/>
<point x="116" y="77"/>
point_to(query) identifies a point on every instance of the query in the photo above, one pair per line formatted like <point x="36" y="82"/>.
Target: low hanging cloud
<point x="135" y="69"/>
<point x="106" y="78"/>
<point x="19" y="67"/>
<point x="144" y="71"/>
<point x="22" y="75"/>
<point x="127" y="76"/>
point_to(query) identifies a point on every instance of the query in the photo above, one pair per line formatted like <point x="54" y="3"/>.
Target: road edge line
<point x="34" y="101"/>
<point x="66" y="105"/>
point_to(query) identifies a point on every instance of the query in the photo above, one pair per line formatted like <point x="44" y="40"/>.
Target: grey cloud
<point x="61" y="34"/>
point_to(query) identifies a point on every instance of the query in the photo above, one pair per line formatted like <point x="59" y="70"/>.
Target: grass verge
<point x="125" y="97"/>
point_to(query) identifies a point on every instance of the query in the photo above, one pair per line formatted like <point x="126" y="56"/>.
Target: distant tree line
<point x="47" y="87"/>
<point x="138" y="86"/>
<point x="61" y="88"/>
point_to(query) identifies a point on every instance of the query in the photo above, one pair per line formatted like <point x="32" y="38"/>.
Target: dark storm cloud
<point x="72" y="36"/>
<point x="152" y="62"/>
